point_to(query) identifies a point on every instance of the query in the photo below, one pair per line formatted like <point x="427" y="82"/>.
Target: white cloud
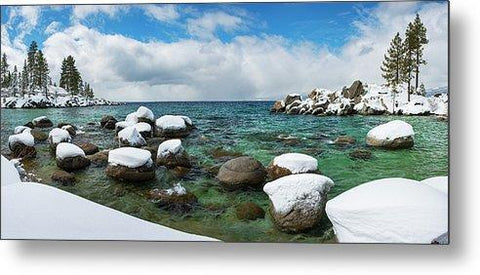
<point x="83" y="11"/>
<point x="205" y="26"/>
<point x="53" y="27"/>
<point x="166" y="13"/>
<point x="247" y="67"/>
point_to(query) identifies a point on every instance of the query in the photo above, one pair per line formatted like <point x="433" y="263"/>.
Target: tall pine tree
<point x="409" y="58"/>
<point x="4" y="72"/>
<point x="393" y="65"/>
<point x="70" y="78"/>
<point x="31" y="58"/>
<point x="41" y="73"/>
<point x="24" y="79"/>
<point x="420" y="40"/>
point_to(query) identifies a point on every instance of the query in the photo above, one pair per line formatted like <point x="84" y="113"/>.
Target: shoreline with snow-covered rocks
<point x="389" y="210"/>
<point x="364" y="99"/>
<point x="58" y="98"/>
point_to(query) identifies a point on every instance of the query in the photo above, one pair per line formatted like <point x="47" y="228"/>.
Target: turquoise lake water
<point x="238" y="128"/>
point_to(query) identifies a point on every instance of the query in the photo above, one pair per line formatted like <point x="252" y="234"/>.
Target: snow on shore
<point x="58" y="98"/>
<point x="38" y="211"/>
<point x="392" y="210"/>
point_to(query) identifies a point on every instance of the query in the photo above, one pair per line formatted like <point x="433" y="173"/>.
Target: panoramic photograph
<point x="295" y="122"/>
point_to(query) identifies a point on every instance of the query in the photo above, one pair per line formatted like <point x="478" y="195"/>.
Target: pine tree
<point x="24" y="79"/>
<point x="420" y="40"/>
<point x="422" y="90"/>
<point x="41" y="73"/>
<point x="14" y="81"/>
<point x="409" y="58"/>
<point x="70" y="78"/>
<point x="393" y="65"/>
<point x="4" y="72"/>
<point x="32" y="51"/>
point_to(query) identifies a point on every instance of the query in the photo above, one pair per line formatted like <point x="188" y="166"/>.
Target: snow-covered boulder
<point x="176" y="198"/>
<point x="290" y="98"/>
<point x="70" y="129"/>
<point x="171" y="126"/>
<point x="42" y="122"/>
<point x="439" y="183"/>
<point x="171" y="154"/>
<point x="278" y="106"/>
<point x="21" y="145"/>
<point x="144" y="129"/>
<point x="291" y="163"/>
<point x="130" y="164"/>
<point x="145" y="115"/>
<point x="298" y="201"/>
<point x="122" y="125"/>
<point x="395" y="134"/>
<point x="392" y="210"/>
<point x="242" y="172"/>
<point x="131" y="137"/>
<point x="20" y="129"/>
<point x="132" y="118"/>
<point x="70" y="157"/>
<point x="58" y="135"/>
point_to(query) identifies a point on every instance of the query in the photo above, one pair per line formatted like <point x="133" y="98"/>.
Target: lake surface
<point x="241" y="127"/>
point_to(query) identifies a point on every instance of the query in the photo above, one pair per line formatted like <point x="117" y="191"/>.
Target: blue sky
<point x="249" y="45"/>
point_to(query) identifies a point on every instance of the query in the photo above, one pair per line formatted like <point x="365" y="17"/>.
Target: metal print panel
<point x="316" y="122"/>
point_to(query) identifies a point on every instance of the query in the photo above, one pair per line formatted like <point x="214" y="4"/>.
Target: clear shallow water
<point x="242" y="127"/>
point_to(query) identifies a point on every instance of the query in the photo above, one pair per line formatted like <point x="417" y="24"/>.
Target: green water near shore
<point x="245" y="128"/>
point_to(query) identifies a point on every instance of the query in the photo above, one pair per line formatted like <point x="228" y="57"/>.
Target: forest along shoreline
<point x="297" y="190"/>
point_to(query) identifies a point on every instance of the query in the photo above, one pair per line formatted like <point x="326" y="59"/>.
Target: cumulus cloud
<point x="165" y="13"/>
<point x="52" y="27"/>
<point x="248" y="66"/>
<point x="80" y="12"/>
<point x="205" y="26"/>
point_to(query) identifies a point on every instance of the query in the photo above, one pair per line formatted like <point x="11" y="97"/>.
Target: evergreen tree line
<point x="34" y="77"/>
<point x="404" y="57"/>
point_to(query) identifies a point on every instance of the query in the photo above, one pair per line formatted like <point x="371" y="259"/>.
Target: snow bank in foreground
<point x="172" y="146"/>
<point x="391" y="130"/>
<point x="67" y="150"/>
<point x="392" y="210"/>
<point x="439" y="183"/>
<point x="287" y="191"/>
<point x="9" y="172"/>
<point x="129" y="157"/>
<point x="296" y="163"/>
<point x="39" y="211"/>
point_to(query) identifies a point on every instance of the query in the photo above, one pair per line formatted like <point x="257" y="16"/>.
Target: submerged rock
<point x="344" y="140"/>
<point x="361" y="154"/>
<point x="242" y="172"/>
<point x="176" y="198"/>
<point x="99" y="159"/>
<point x="291" y="163"/>
<point x="395" y="134"/>
<point x="249" y="211"/>
<point x="108" y="122"/>
<point x="172" y="154"/>
<point x="63" y="177"/>
<point x="39" y="135"/>
<point x="89" y="148"/>
<point x="130" y="164"/>
<point x="70" y="157"/>
<point x="298" y="201"/>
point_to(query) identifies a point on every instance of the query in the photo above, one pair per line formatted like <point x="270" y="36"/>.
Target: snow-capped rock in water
<point x="176" y="198"/>
<point x="171" y="154"/>
<point x="58" y="135"/>
<point x="392" y="210"/>
<point x="291" y="163"/>
<point x="130" y="164"/>
<point x="70" y="157"/>
<point x="395" y="134"/>
<point x="132" y="118"/>
<point x="173" y="126"/>
<point x="58" y="98"/>
<point x="144" y="129"/>
<point x="131" y="137"/>
<point x="21" y="145"/>
<point x="439" y="183"/>
<point x="20" y="129"/>
<point x="42" y="122"/>
<point x="363" y="99"/>
<point x="298" y="201"/>
<point x="122" y="125"/>
<point x="145" y="115"/>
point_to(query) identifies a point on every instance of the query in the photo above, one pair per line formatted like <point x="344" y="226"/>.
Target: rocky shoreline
<point x="363" y="99"/>
<point x="297" y="190"/>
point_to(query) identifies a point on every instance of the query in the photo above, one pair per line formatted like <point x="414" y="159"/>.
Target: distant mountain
<point x="438" y="90"/>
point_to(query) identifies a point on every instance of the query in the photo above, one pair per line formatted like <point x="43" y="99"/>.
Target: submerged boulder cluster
<point x="362" y="99"/>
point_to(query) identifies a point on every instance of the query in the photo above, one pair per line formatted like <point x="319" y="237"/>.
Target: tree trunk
<point x="417" y="71"/>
